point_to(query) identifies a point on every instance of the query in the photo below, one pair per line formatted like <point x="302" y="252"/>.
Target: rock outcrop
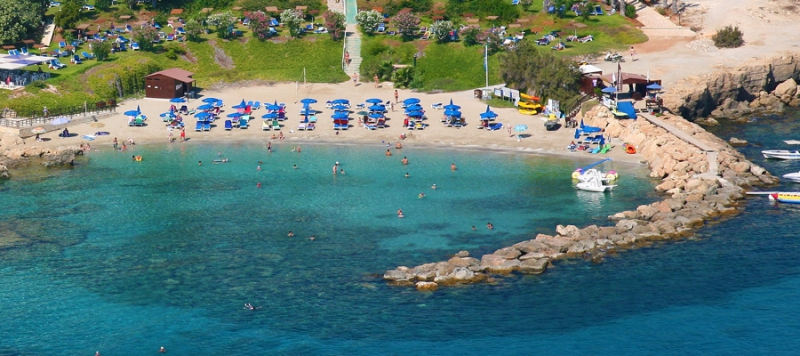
<point x="692" y="197"/>
<point x="764" y="86"/>
<point x="15" y="153"/>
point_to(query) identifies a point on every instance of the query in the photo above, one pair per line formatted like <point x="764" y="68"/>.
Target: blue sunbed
<point x="199" y="126"/>
<point x="228" y="125"/>
<point x="207" y="126"/>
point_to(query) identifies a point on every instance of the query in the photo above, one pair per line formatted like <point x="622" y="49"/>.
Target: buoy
<point x="629" y="149"/>
<point x="138" y="158"/>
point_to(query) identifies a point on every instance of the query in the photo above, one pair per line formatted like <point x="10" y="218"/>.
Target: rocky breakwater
<point x="15" y="153"/>
<point x="759" y="87"/>
<point x="693" y="195"/>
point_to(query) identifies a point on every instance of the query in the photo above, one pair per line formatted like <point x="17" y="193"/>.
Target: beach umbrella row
<point x="411" y="101"/>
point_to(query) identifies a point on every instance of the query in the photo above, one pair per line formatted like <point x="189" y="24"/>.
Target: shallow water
<point x="124" y="257"/>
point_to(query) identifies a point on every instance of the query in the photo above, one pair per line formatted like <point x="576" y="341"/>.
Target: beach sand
<point x="535" y="140"/>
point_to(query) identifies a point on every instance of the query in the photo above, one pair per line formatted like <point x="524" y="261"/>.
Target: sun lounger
<point x="369" y="126"/>
<point x="206" y="125"/>
<point x="586" y="39"/>
<point x="438" y="106"/>
<point x="419" y="125"/>
<point x="256" y="105"/>
<point x="305" y="126"/>
<point x="87" y="56"/>
<point x="598" y="10"/>
<point x="228" y="125"/>
<point x="381" y="28"/>
<point x="266" y="125"/>
<point x="135" y="46"/>
<point x="276" y="125"/>
<point x="514" y="2"/>
<point x="495" y="126"/>
<point x="180" y="31"/>
<point x="76" y="59"/>
<point x="56" y="64"/>
<point x="170" y="37"/>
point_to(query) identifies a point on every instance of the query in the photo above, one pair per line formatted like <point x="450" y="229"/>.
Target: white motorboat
<point x="594" y="182"/>
<point x="586" y="176"/>
<point x="781" y="154"/>
<point x="792" y="177"/>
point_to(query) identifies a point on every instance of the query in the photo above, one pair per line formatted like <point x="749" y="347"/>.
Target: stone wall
<point x="735" y="92"/>
<point x="691" y="197"/>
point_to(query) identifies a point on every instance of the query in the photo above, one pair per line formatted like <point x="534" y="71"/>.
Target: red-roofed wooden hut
<point x="168" y="84"/>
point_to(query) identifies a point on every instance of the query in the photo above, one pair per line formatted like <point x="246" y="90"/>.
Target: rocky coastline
<point x="693" y="195"/>
<point x="764" y="86"/>
<point x="15" y="153"/>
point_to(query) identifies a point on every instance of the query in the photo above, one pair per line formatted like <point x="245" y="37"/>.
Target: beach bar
<point x="168" y="84"/>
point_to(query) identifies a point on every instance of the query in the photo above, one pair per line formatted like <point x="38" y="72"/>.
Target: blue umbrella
<point x="211" y="100"/>
<point x="411" y="101"/>
<point x="374" y="101"/>
<point x="205" y="107"/>
<point x="415" y="114"/>
<point x="375" y="116"/>
<point x="241" y="105"/>
<point x="272" y="115"/>
<point x="165" y="114"/>
<point x="273" y="107"/>
<point x="341" y="101"/>
<point x="340" y="115"/>
<point x="307" y="111"/>
<point x="377" y="108"/>
<point x="202" y="115"/>
<point x="654" y="86"/>
<point x="609" y="90"/>
<point x="177" y="100"/>
<point x="138" y="109"/>
<point x="520" y="128"/>
<point x="452" y="113"/>
<point x="451" y="106"/>
<point x="414" y="107"/>
<point x="234" y="114"/>
<point x="488" y="115"/>
<point x="308" y="101"/>
<point x="131" y="113"/>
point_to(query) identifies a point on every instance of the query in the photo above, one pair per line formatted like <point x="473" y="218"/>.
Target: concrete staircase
<point x="353" y="44"/>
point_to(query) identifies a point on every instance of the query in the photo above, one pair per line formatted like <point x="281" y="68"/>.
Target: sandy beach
<point x="535" y="140"/>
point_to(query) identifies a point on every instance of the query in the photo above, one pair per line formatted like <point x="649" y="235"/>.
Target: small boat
<point x="781" y="154"/>
<point x="785" y="197"/>
<point x="619" y="114"/>
<point x="792" y="177"/>
<point x="594" y="182"/>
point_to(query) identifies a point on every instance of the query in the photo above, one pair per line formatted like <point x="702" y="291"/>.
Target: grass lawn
<point x="453" y="66"/>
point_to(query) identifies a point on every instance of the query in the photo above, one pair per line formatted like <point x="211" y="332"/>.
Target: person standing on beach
<point x="183" y="134"/>
<point x="355" y="79"/>
<point x="633" y="54"/>
<point x="376" y="80"/>
<point x="396" y="97"/>
<point x="115" y="143"/>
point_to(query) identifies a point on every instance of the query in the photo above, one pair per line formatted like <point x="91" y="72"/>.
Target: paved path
<point x="711" y="154"/>
<point x="656" y="25"/>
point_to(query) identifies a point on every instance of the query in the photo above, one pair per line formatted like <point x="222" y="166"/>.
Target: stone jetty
<point x="692" y="196"/>
<point x="14" y="152"/>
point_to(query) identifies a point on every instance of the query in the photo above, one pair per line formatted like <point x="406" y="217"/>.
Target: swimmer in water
<point x="453" y="166"/>
<point x="473" y="227"/>
<point x="258" y="168"/>
<point x="341" y="171"/>
<point x="388" y="153"/>
<point x="398" y="146"/>
<point x="162" y="350"/>
<point x="433" y="186"/>
<point x="407" y="175"/>
<point x="421" y="195"/>
<point x="290" y="234"/>
<point x="295" y="166"/>
<point x="489" y="226"/>
<point x="399" y="213"/>
<point x="200" y="163"/>
<point x="258" y="185"/>
<point x="405" y="161"/>
<point x="312" y="238"/>
<point x="250" y="306"/>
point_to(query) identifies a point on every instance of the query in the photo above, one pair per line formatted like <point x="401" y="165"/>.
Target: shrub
<point x="661" y="11"/>
<point x="417" y="6"/>
<point x="630" y="11"/>
<point x="492" y="40"/>
<point x="194" y="30"/>
<point x="483" y="8"/>
<point x="470" y="35"/>
<point x="101" y="50"/>
<point x="369" y="21"/>
<point x="403" y="77"/>
<point x="102" y="5"/>
<point x="122" y="78"/>
<point x="69" y="15"/>
<point x="407" y="23"/>
<point x="441" y="30"/>
<point x="173" y="51"/>
<point x="728" y="37"/>
<point x="335" y="24"/>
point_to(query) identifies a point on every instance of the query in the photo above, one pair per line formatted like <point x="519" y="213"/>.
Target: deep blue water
<point x="127" y="257"/>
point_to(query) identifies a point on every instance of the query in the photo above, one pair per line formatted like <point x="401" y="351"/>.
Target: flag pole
<point x="486" y="63"/>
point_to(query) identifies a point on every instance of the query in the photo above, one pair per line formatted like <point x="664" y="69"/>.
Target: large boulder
<point x="508" y="253"/>
<point x="427" y="286"/>
<point x="787" y="88"/>
<point x="533" y="266"/>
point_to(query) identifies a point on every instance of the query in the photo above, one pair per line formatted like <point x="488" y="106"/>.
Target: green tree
<point x="403" y="77"/>
<point x="368" y="21"/>
<point x="194" y="30"/>
<point x="335" y="24"/>
<point x="540" y="73"/>
<point x="102" y="5"/>
<point x="470" y="35"/>
<point x="101" y="50"/>
<point x="224" y="22"/>
<point x="406" y="23"/>
<point x="145" y="37"/>
<point x="441" y="30"/>
<point x="292" y="19"/>
<point x="69" y="15"/>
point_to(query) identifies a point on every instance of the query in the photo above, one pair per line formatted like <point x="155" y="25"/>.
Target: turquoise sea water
<point x="127" y="257"/>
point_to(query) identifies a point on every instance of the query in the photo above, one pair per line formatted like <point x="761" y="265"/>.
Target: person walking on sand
<point x="375" y="78"/>
<point x="355" y="79"/>
<point x="396" y="97"/>
<point x="183" y="134"/>
<point x="633" y="54"/>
